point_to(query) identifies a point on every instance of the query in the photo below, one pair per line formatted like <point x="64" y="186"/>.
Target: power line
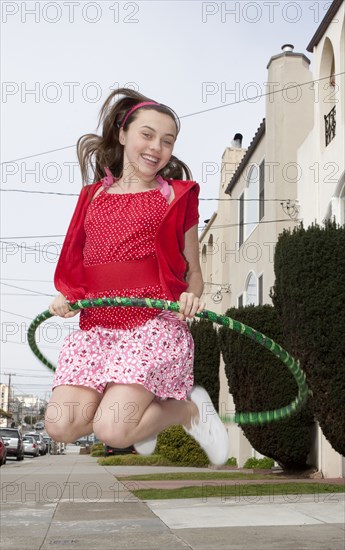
<point x="244" y="100"/>
<point x="16" y="314"/>
<point x="260" y="96"/>
<point x="200" y="198"/>
<point x="30" y="248"/>
<point x="247" y="223"/>
<point x="41" y="192"/>
<point x="199" y="227"/>
<point x="27" y="289"/>
<point x="33" y="237"/>
<point x="26" y="280"/>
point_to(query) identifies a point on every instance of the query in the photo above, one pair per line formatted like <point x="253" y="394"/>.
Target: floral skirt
<point x="158" y="355"/>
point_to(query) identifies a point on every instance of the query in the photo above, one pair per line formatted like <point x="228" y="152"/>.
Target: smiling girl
<point x="127" y="373"/>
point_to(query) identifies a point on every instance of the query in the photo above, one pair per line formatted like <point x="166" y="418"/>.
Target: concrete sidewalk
<point x="71" y="501"/>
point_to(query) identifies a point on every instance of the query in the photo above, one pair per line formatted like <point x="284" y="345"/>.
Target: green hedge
<point x="309" y="296"/>
<point x="206" y="357"/>
<point x="259" y="381"/>
<point x="175" y="445"/>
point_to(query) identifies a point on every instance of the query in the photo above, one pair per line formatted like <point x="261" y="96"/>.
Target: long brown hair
<point x="95" y="152"/>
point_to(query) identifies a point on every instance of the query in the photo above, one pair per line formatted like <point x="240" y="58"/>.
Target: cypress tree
<point x="309" y="295"/>
<point x="258" y="381"/>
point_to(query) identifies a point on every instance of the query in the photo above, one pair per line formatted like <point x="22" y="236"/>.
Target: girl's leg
<point x="70" y="412"/>
<point x="128" y="414"/>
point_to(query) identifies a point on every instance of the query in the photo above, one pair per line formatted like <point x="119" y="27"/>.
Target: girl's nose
<point x="155" y="144"/>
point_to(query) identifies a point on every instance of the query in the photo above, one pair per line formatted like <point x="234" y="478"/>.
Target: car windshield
<point x="28" y="439"/>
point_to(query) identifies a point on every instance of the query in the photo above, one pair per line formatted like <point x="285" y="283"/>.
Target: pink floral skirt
<point x="158" y="355"/>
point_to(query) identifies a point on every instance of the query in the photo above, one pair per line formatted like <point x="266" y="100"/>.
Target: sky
<point x="59" y="62"/>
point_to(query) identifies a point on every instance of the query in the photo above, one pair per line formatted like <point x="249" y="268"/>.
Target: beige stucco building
<point x="270" y="186"/>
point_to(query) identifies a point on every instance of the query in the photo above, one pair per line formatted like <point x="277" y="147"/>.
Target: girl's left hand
<point x="189" y="305"/>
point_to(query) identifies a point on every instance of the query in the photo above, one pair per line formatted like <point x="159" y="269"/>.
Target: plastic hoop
<point x="262" y="417"/>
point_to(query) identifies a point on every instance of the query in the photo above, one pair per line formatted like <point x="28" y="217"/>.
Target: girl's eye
<point x="168" y="143"/>
<point x="147" y="135"/>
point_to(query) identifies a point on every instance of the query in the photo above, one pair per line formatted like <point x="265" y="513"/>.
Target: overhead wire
<point x="244" y="100"/>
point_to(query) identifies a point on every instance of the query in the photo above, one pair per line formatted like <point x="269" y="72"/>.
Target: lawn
<point x="290" y="492"/>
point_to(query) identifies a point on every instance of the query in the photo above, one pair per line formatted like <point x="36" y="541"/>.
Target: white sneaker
<point x="209" y="431"/>
<point x="147" y="446"/>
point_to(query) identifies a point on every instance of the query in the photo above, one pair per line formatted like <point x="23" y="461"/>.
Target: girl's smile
<point x="148" y="145"/>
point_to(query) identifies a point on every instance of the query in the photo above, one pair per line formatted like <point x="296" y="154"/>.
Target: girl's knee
<point x="64" y="431"/>
<point x="114" y="435"/>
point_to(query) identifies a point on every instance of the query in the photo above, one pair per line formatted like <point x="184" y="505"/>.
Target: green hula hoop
<point x="262" y="417"/>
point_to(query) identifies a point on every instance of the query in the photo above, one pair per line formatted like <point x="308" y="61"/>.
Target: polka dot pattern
<point x="122" y="227"/>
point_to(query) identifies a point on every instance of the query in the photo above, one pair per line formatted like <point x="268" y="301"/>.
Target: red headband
<point x="137" y="106"/>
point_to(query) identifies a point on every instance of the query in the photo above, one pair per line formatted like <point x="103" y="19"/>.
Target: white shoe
<point x="147" y="446"/>
<point x="209" y="431"/>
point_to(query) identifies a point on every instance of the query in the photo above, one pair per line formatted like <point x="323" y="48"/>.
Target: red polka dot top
<point x="122" y="227"/>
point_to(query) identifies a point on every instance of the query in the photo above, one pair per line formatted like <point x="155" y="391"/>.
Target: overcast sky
<point x="60" y="61"/>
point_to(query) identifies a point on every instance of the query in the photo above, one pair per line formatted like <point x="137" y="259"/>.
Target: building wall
<point x="323" y="166"/>
<point x="321" y="190"/>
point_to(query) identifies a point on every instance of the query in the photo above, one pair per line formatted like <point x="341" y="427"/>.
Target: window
<point x="240" y="301"/>
<point x="251" y="290"/>
<point x="261" y="290"/>
<point x="241" y="220"/>
<point x="252" y="200"/>
<point x="262" y="190"/>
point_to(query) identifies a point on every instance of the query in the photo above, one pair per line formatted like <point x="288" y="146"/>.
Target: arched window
<point x="252" y="290"/>
<point x="204" y="254"/>
<point x="329" y="93"/>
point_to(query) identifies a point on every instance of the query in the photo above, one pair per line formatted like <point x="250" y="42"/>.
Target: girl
<point x="127" y="374"/>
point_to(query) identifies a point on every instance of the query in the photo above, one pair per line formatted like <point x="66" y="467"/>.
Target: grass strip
<point x="134" y="460"/>
<point x="322" y="492"/>
<point x="172" y="476"/>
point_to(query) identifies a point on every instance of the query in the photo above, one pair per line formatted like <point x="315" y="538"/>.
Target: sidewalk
<point x="70" y="501"/>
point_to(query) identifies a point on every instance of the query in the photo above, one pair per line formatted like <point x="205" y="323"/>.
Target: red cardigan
<point x="181" y="215"/>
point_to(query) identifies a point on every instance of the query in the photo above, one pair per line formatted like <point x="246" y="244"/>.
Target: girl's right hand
<point x="59" y="306"/>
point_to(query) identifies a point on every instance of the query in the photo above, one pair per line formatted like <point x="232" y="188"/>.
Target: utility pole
<point x="9" y="374"/>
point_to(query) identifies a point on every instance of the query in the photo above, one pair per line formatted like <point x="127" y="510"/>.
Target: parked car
<point x="109" y="451"/>
<point x="30" y="446"/>
<point x="14" y="442"/>
<point x="85" y="440"/>
<point x="39" y="425"/>
<point x="42" y="446"/>
<point x="3" y="452"/>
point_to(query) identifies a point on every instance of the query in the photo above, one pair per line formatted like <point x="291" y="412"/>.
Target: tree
<point x="206" y="357"/>
<point x="309" y="296"/>
<point x="258" y="381"/>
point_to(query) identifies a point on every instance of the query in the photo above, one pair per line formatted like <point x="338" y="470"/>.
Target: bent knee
<point x="114" y="436"/>
<point x="67" y="432"/>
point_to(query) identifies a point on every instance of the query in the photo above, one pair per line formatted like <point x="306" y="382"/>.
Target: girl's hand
<point x="59" y="306"/>
<point x="189" y="305"/>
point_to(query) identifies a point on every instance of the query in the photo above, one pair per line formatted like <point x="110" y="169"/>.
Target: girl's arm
<point x="189" y="301"/>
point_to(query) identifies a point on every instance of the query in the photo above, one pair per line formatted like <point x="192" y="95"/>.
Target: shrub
<point x="96" y="449"/>
<point x="177" y="446"/>
<point x="259" y="463"/>
<point x="206" y="357"/>
<point x="309" y="296"/>
<point x="258" y="381"/>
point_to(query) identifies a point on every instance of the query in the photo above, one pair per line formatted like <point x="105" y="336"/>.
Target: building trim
<point x="288" y="54"/>
<point x="322" y="28"/>
<point x="246" y="157"/>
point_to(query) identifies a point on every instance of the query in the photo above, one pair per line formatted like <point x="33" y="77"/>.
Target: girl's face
<point x="148" y="144"/>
